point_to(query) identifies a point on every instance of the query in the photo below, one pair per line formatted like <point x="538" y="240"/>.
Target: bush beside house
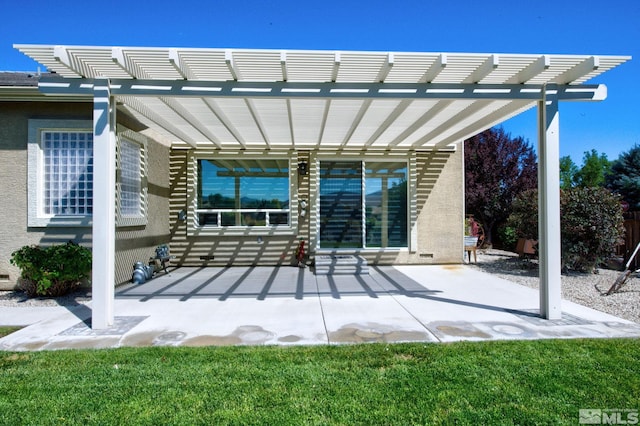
<point x="53" y="271"/>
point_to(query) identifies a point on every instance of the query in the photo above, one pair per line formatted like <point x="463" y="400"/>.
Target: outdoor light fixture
<point x="182" y="215"/>
<point x="302" y="168"/>
<point x="303" y="207"/>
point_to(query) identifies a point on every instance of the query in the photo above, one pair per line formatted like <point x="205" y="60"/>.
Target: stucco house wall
<point x="438" y="225"/>
<point x="138" y="243"/>
<point x="132" y="243"/>
<point x="440" y="209"/>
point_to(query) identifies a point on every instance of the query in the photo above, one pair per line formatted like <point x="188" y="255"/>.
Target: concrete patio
<point x="288" y="305"/>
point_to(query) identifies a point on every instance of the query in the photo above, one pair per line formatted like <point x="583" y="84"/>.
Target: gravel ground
<point x="585" y="289"/>
<point x="20" y="299"/>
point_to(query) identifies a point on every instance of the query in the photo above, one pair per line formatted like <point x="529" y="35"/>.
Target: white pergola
<point x="237" y="99"/>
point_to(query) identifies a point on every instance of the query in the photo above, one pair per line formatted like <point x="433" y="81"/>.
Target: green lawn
<point x="4" y="330"/>
<point x="489" y="383"/>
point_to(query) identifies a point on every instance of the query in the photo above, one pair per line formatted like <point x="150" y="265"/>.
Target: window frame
<point x="365" y="178"/>
<point x="195" y="229"/>
<point x="141" y="218"/>
<point x="411" y="207"/>
<point x="35" y="179"/>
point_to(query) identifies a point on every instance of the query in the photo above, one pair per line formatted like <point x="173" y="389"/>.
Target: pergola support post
<point x="104" y="183"/>
<point x="549" y="204"/>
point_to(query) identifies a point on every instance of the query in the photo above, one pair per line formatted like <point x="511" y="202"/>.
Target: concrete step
<point x="341" y="265"/>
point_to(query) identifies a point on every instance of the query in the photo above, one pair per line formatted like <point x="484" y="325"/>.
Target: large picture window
<point x="243" y="193"/>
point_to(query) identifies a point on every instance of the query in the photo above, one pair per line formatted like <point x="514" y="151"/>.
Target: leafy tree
<point x="524" y="215"/>
<point x="568" y="172"/>
<point x="497" y="169"/>
<point x="591" y="224"/>
<point x="624" y="178"/>
<point x="595" y="168"/>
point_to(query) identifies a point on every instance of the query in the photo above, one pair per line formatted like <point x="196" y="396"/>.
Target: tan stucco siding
<point x="14" y="233"/>
<point x="131" y="243"/>
<point x="440" y="208"/>
<point x="138" y="243"/>
<point x="13" y="176"/>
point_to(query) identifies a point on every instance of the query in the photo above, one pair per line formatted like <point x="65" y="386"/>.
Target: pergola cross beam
<point x="326" y="90"/>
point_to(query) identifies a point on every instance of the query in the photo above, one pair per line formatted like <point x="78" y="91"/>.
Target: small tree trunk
<point x="488" y="234"/>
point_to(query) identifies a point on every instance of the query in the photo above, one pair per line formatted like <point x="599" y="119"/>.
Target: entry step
<point x="341" y="264"/>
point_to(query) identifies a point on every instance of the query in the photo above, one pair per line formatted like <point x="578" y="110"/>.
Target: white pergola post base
<point x="549" y="204"/>
<point x="104" y="183"/>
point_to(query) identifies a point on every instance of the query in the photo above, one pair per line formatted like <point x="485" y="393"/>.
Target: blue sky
<point x="606" y="27"/>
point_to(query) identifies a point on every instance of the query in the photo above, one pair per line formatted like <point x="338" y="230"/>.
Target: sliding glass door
<point x="386" y="204"/>
<point x="363" y="204"/>
<point x="341" y="204"/>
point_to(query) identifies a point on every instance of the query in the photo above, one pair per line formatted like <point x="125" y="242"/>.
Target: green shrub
<point x="52" y="271"/>
<point x="508" y="237"/>
<point x="591" y="224"/>
<point x="524" y="215"/>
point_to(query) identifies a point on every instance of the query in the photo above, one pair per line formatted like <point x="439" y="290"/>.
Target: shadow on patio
<point x="261" y="282"/>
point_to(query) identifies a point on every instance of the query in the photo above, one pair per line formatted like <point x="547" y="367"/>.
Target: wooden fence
<point x="631" y="239"/>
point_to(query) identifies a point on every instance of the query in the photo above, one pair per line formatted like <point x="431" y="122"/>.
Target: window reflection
<point x="247" y="192"/>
